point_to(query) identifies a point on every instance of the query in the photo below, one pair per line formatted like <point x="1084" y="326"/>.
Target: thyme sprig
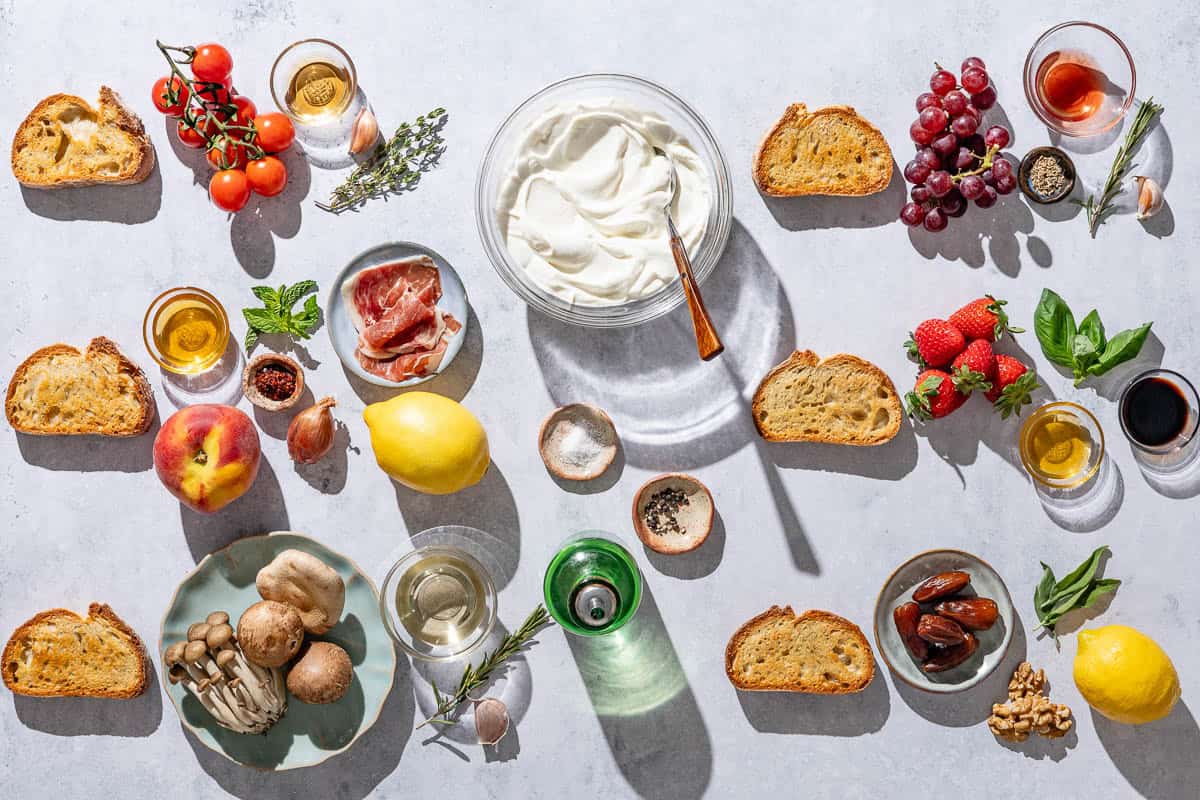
<point x="474" y="677"/>
<point x="1099" y="210"/>
<point x="396" y="165"/>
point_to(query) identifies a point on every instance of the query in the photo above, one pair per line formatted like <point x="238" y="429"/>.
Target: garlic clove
<point x="1150" y="197"/>
<point x="365" y="131"/>
<point x="310" y="435"/>
<point x="491" y="720"/>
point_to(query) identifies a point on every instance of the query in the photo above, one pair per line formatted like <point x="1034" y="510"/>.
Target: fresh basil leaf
<point x="262" y="320"/>
<point x="1055" y="328"/>
<point x="1044" y="588"/>
<point x="293" y="293"/>
<point x="1093" y="328"/>
<point x="1082" y="575"/>
<point x="1121" y="348"/>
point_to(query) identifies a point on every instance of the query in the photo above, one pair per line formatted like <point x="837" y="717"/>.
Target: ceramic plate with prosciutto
<point x="397" y="314"/>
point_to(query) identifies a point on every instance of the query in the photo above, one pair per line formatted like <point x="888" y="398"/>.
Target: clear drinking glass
<point x="324" y="114"/>
<point x="1103" y="54"/>
<point x="1162" y="435"/>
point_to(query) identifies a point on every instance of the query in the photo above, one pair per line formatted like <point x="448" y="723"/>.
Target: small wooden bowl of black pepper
<point x="273" y="382"/>
<point x="673" y="513"/>
<point x="1046" y="175"/>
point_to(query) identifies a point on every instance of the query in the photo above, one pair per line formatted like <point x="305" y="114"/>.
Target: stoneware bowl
<point x="256" y="397"/>
<point x="307" y="734"/>
<point x="695" y="518"/>
<point x="344" y="337"/>
<point x="993" y="643"/>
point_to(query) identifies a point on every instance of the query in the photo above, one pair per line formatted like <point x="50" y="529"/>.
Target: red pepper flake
<point x="275" y="382"/>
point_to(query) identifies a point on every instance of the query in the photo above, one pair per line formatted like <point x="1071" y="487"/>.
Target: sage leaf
<point x="1079" y="589"/>
<point x="1099" y="589"/>
<point x="1081" y="575"/>
<point x="1045" y="588"/>
<point x="1055" y="328"/>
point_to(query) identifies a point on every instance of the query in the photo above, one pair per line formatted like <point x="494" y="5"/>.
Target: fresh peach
<point x="207" y="455"/>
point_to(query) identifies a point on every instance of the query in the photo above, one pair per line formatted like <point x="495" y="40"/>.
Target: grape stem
<point x="985" y="163"/>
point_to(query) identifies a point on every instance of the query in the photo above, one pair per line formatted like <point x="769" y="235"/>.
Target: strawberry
<point x="934" y="343"/>
<point x="975" y="367"/>
<point x="934" y="395"/>
<point x="1013" y="386"/>
<point x="984" y="318"/>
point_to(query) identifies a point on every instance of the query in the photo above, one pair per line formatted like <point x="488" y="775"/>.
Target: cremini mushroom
<point x="321" y="675"/>
<point x="270" y="633"/>
<point x="240" y="695"/>
<point x="306" y="583"/>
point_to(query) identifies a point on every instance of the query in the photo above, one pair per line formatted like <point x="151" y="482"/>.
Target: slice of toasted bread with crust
<point x="842" y="399"/>
<point x="59" y="390"/>
<point x="61" y="654"/>
<point x="66" y="142"/>
<point x="830" y="151"/>
<point x="816" y="652"/>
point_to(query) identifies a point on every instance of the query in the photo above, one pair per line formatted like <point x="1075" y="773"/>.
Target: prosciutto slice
<point x="401" y="331"/>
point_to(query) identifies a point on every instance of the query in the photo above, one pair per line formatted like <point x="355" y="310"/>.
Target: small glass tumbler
<point x="1160" y="414"/>
<point x="315" y="83"/>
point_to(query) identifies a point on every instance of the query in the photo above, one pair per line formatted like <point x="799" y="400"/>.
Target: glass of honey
<point x="1079" y="79"/>
<point x="1160" y="414"/>
<point x="314" y="82"/>
<point x="186" y="330"/>
<point x="1061" y="446"/>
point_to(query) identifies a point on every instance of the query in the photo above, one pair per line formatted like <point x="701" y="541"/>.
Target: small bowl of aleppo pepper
<point x="273" y="382"/>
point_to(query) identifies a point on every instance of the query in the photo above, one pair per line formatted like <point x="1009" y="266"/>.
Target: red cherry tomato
<point x="229" y="189"/>
<point x="267" y="175"/>
<point x="193" y="137"/>
<point x="275" y="132"/>
<point x="163" y="103"/>
<point x="212" y="62"/>
<point x="220" y="94"/>
<point x="234" y="152"/>
<point x="246" y="110"/>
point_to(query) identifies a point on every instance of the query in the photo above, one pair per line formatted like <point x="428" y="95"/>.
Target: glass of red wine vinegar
<point x="1160" y="413"/>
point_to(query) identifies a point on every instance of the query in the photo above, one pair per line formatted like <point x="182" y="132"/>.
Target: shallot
<point x="310" y="436"/>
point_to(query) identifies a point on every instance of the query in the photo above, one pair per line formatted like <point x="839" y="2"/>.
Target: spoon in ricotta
<point x="708" y="343"/>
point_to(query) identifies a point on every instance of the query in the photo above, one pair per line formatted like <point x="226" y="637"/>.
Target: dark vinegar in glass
<point x="1155" y="412"/>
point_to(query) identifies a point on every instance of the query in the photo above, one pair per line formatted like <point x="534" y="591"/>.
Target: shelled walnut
<point x="1028" y="710"/>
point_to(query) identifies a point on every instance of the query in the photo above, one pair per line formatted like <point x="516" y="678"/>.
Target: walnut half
<point x="1028" y="710"/>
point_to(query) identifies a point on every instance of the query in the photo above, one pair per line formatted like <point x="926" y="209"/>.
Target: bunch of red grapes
<point x="955" y="163"/>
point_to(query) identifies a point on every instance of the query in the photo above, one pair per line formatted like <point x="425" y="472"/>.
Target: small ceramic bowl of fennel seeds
<point x="673" y="513"/>
<point x="1046" y="175"/>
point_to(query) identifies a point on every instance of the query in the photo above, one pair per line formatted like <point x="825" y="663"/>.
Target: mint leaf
<point x="251" y="339"/>
<point x="269" y="296"/>
<point x="1055" y="328"/>
<point x="291" y="295"/>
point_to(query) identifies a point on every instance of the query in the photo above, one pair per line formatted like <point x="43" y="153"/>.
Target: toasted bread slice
<point x="66" y="142"/>
<point x="59" y="390"/>
<point x="61" y="654"/>
<point x="828" y="151"/>
<point x="816" y="652"/>
<point x="842" y="399"/>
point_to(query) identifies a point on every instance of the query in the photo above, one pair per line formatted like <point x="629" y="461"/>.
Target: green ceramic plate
<point x="307" y="734"/>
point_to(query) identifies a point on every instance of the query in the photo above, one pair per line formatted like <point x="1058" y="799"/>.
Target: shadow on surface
<point x="812" y="212"/>
<point x="94" y="716"/>
<point x="823" y="715"/>
<point x="128" y="204"/>
<point x="258" y="511"/>
<point x="1161" y="760"/>
<point x="91" y="453"/>
<point x="646" y="707"/>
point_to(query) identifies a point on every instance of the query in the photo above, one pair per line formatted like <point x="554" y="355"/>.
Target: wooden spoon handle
<point x="708" y="343"/>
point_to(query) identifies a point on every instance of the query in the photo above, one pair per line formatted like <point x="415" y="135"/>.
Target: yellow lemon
<point x="1125" y="675"/>
<point x="428" y="442"/>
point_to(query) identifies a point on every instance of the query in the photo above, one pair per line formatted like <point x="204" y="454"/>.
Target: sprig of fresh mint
<point x="276" y="314"/>
<point x="1080" y="589"/>
<point x="1083" y="349"/>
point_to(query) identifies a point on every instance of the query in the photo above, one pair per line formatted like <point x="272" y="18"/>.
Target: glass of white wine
<point x="314" y="82"/>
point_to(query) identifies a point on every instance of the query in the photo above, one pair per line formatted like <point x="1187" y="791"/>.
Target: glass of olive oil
<point x="438" y="602"/>
<point x="1062" y="446"/>
<point x="186" y="330"/>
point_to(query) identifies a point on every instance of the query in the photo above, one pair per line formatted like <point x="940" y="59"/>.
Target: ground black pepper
<point x="275" y="382"/>
<point x="660" y="510"/>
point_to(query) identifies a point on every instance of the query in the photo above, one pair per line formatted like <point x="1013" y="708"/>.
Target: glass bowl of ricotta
<point x="570" y="197"/>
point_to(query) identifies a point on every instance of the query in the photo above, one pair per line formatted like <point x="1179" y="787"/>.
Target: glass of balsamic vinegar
<point x="1160" y="413"/>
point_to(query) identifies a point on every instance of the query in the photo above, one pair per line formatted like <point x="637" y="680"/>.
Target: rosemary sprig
<point x="1098" y="210"/>
<point x="395" y="166"/>
<point x="474" y="677"/>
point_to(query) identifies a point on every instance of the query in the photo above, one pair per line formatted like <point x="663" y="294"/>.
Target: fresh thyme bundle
<point x="396" y="165"/>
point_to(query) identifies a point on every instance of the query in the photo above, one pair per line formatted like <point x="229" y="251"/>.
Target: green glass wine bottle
<point x="592" y="585"/>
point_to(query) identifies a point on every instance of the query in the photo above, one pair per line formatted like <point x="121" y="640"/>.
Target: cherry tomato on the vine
<point x="267" y="175"/>
<point x="221" y="94"/>
<point x="229" y="189"/>
<point x="212" y="62"/>
<point x="193" y="137"/>
<point x="275" y="132"/>
<point x="234" y="152"/>
<point x="246" y="110"/>
<point x="161" y="100"/>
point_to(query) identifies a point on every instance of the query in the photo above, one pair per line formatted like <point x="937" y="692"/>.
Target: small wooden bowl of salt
<point x="578" y="442"/>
